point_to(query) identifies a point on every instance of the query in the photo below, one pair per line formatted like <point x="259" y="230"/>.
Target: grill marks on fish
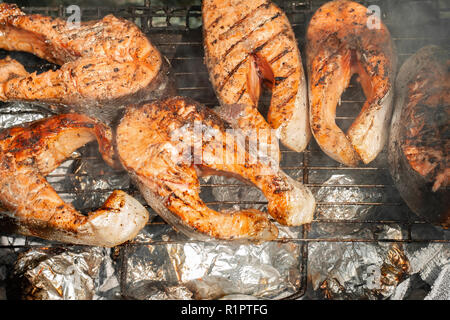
<point x="248" y="35"/>
<point x="168" y="176"/>
<point x="245" y="59"/>
<point x="419" y="142"/>
<point x="251" y="38"/>
<point x="240" y="22"/>
<point x="221" y="13"/>
<point x="280" y="55"/>
<point x="104" y="64"/>
<point x="339" y="44"/>
<point x="425" y="140"/>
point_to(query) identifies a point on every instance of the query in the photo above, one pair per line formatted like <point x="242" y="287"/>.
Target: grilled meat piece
<point x="29" y="152"/>
<point x="167" y="144"/>
<point x="10" y="69"/>
<point x="105" y="64"/>
<point x="250" y="43"/>
<point x="419" y="142"/>
<point x="342" y="39"/>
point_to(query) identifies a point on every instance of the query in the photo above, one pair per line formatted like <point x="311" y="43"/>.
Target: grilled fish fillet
<point x="248" y="43"/>
<point x="343" y="40"/>
<point x="105" y="64"/>
<point x="166" y="145"/>
<point x="419" y="141"/>
<point x="29" y="152"/>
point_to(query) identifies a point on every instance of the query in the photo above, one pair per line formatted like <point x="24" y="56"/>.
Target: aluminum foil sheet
<point x="57" y="273"/>
<point x="164" y="264"/>
<point x="224" y="271"/>
<point x="347" y="194"/>
<point x="214" y="270"/>
<point x="16" y="113"/>
<point x="356" y="270"/>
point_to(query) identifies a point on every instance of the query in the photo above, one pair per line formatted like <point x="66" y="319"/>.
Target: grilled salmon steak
<point x="344" y="38"/>
<point x="105" y="64"/>
<point x="167" y="144"/>
<point x="249" y="44"/>
<point x="30" y="152"/>
<point x="419" y="141"/>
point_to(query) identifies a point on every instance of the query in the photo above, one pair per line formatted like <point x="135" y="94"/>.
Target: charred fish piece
<point x="343" y="39"/>
<point x="419" y="141"/>
<point x="105" y="64"/>
<point x="166" y="145"/>
<point x="30" y="152"/>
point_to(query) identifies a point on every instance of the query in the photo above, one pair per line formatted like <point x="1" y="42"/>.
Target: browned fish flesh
<point x="166" y="145"/>
<point x="10" y="68"/>
<point x="32" y="151"/>
<point x="419" y="141"/>
<point x="105" y="64"/>
<point x="344" y="38"/>
<point x="249" y="44"/>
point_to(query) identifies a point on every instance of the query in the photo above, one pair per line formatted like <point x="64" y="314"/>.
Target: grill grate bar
<point x="291" y="240"/>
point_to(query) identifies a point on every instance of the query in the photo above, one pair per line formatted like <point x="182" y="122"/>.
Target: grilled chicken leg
<point x="29" y="153"/>
<point x="165" y="146"/>
<point x="340" y="44"/>
<point x="105" y="64"/>
<point x="248" y="43"/>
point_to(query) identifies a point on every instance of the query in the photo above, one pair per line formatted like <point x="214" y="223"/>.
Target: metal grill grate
<point x="177" y="33"/>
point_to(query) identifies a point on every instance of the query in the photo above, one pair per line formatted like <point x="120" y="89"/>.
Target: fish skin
<point x="166" y="169"/>
<point x="339" y="43"/>
<point x="238" y="34"/>
<point x="30" y="152"/>
<point x="105" y="64"/>
<point x="418" y="149"/>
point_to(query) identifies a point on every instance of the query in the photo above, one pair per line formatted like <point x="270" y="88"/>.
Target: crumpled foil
<point x="347" y="194"/>
<point x="164" y="264"/>
<point x="353" y="270"/>
<point x="58" y="273"/>
<point x="439" y="289"/>
<point x="430" y="273"/>
<point x="15" y="113"/>
<point x="214" y="270"/>
<point x="356" y="270"/>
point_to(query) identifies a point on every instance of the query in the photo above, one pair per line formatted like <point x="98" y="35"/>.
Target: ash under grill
<point x="365" y="199"/>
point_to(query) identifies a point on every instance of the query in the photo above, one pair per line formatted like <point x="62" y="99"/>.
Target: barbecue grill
<point x="176" y="31"/>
